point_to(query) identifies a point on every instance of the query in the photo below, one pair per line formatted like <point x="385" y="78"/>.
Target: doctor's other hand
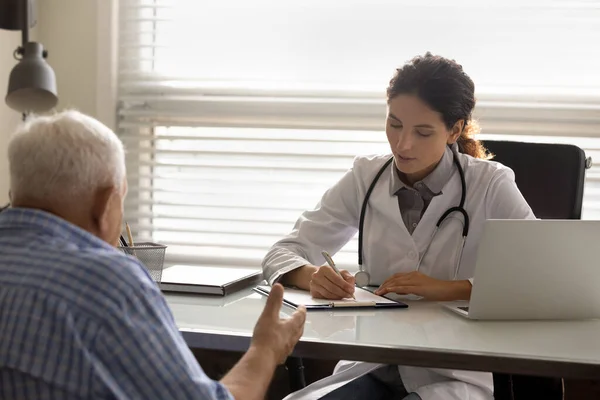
<point x="423" y="285"/>
<point x="274" y="335"/>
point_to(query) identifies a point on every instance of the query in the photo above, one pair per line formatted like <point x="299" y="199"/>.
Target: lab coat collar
<point x="435" y="181"/>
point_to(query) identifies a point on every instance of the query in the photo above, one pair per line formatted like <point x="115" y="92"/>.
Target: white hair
<point x="64" y="157"/>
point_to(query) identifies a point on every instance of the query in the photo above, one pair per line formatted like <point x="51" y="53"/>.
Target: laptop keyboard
<point x="466" y="309"/>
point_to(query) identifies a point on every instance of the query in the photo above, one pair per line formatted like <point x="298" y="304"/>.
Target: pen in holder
<point x="152" y="255"/>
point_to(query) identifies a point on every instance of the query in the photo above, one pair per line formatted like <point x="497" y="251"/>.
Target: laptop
<point x="535" y="269"/>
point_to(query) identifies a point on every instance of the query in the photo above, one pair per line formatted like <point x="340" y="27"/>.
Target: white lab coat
<point x="389" y="248"/>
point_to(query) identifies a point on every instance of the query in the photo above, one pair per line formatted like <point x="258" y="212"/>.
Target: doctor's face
<point x="417" y="136"/>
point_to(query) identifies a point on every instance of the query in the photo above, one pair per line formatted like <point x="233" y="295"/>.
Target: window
<point x="237" y="115"/>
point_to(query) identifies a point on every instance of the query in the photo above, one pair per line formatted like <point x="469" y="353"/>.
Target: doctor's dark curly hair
<point x="444" y="86"/>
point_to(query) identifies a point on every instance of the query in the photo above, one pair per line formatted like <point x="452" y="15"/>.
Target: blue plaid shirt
<point x="79" y="320"/>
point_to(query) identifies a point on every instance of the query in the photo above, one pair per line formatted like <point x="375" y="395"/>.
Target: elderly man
<point x="78" y="318"/>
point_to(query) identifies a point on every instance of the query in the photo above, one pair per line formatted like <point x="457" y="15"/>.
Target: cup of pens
<point x="152" y="255"/>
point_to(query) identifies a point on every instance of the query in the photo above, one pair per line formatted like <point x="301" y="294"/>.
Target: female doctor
<point x="411" y="244"/>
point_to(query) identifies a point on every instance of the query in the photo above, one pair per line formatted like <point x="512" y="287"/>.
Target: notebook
<point x="364" y="299"/>
<point x="219" y="281"/>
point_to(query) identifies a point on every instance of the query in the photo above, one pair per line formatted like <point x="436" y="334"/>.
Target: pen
<point x="332" y="265"/>
<point x="130" y="237"/>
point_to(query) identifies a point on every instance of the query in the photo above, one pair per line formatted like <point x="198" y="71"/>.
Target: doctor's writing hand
<point x="429" y="288"/>
<point x="325" y="283"/>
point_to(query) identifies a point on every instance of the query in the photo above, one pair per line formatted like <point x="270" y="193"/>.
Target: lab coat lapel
<point x="391" y="203"/>
<point x="450" y="197"/>
<point x="391" y="209"/>
<point x="384" y="257"/>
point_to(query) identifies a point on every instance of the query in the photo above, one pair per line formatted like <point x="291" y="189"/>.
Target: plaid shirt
<point x="79" y="319"/>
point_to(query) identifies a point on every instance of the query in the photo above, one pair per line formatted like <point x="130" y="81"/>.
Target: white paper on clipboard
<point x="303" y="297"/>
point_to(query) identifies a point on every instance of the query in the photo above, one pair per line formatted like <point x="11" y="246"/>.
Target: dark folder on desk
<point x="219" y="281"/>
<point x="364" y="299"/>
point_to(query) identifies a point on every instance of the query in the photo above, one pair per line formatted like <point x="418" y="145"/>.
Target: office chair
<point x="551" y="177"/>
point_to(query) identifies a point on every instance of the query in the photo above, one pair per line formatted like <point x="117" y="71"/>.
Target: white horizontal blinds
<point x="356" y="43"/>
<point x="230" y="193"/>
<point x="238" y="115"/>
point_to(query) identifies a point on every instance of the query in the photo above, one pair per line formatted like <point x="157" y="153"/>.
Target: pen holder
<point x="152" y="255"/>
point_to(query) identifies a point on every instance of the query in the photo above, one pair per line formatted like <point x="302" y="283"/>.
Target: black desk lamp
<point x="32" y="83"/>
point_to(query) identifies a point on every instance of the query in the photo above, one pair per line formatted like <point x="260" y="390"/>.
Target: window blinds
<point x="238" y="115"/>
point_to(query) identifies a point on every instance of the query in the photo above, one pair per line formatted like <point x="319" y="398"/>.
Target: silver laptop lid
<point x="537" y="269"/>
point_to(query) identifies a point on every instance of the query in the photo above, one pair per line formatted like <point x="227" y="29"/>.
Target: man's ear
<point x="101" y="208"/>
<point x="457" y="129"/>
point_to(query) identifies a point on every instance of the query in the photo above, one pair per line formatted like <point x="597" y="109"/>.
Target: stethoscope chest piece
<point x="362" y="279"/>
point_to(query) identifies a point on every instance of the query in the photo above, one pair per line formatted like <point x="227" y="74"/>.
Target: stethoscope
<point x="362" y="278"/>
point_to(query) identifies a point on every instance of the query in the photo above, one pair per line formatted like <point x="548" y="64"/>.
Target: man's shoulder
<point x="115" y="265"/>
<point x="89" y="277"/>
<point x="107" y="270"/>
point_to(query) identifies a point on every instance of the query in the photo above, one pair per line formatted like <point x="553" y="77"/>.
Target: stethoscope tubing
<point x="460" y="209"/>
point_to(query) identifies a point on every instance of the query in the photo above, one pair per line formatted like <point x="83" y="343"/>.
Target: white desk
<point x="424" y="335"/>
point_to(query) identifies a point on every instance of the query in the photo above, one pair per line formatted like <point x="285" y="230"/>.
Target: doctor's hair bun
<point x="445" y="87"/>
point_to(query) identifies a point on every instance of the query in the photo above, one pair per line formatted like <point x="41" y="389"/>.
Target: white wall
<point x="9" y="119"/>
<point x="80" y="38"/>
<point x="67" y="29"/>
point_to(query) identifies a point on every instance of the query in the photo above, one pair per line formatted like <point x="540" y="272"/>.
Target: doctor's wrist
<point x="461" y="290"/>
<point x="300" y="277"/>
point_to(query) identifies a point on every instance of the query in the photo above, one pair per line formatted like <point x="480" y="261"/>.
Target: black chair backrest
<point x="550" y="176"/>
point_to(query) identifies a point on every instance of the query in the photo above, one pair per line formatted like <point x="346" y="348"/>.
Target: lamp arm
<point x="25" y="30"/>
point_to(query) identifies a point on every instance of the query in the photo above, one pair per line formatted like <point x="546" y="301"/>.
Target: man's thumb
<point x="274" y="300"/>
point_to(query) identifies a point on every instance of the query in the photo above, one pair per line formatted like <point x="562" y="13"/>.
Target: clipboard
<point x="365" y="299"/>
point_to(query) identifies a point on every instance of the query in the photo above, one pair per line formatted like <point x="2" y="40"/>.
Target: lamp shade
<point x="32" y="83"/>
